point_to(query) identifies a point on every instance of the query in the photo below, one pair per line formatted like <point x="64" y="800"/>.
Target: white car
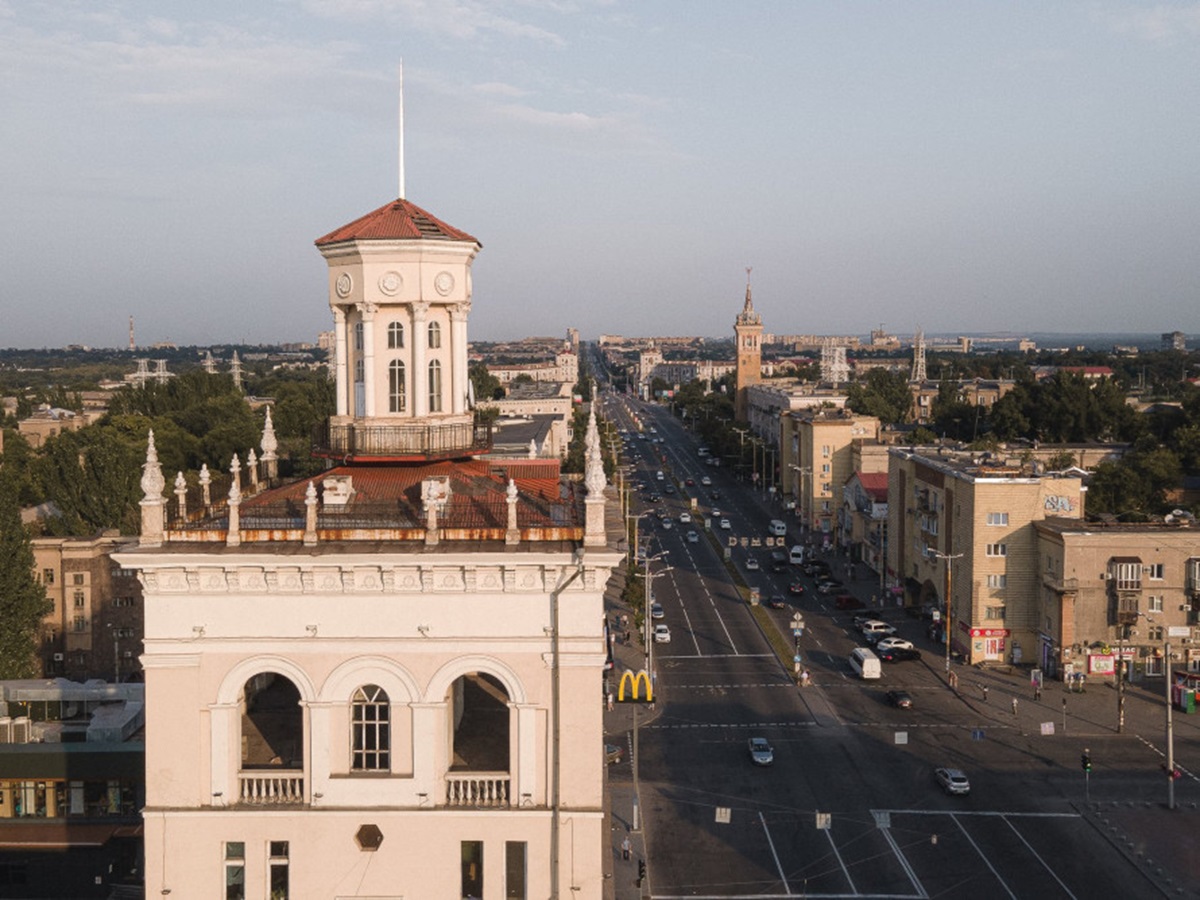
<point x="725" y="524"/>
<point x="751" y="564"/>
<point x="706" y="481"/>
<point x="662" y="634"/>
<point x="894" y="643"/>
<point x="693" y="538"/>
<point x="952" y="781"/>
<point x="874" y="630"/>
<point x="685" y="518"/>
<point x="761" y="753"/>
<point x="666" y="524"/>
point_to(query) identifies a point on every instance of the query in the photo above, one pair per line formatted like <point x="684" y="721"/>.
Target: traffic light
<point x="1085" y="761"/>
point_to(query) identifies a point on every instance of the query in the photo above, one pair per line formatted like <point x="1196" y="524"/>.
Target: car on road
<point x="829" y="585"/>
<point x="900" y="699"/>
<point x="667" y="524"/>
<point x="716" y="495"/>
<point x="796" y="588"/>
<point x="706" y="481"/>
<point x="725" y="524"/>
<point x="893" y="643"/>
<point x="899" y="654"/>
<point x="777" y="602"/>
<point x="690" y="482"/>
<point x="874" y="629"/>
<point x="669" y="489"/>
<point x="613" y="754"/>
<point x="693" y="537"/>
<point x="662" y="634"/>
<point x="847" y="601"/>
<point x="685" y="518"/>
<point x="656" y="611"/>
<point x="761" y="753"/>
<point x="816" y="567"/>
<point x="751" y="564"/>
<point x="952" y="781"/>
<point x="715" y="513"/>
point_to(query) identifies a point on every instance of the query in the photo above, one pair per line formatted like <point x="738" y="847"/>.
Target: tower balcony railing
<point x="355" y="440"/>
<point x="275" y="787"/>
<point x="478" y="789"/>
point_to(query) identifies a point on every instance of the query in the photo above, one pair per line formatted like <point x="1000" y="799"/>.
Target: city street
<point x="849" y="807"/>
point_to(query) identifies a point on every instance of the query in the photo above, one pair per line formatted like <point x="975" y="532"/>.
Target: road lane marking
<point x="845" y="871"/>
<point x="1038" y="857"/>
<point x="904" y="864"/>
<point x="778" y="864"/>
<point x="982" y="856"/>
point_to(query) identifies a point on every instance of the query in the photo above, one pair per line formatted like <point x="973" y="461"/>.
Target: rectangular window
<point x="825" y="451"/>
<point x="1128" y="576"/>
<point x="997" y="549"/>
<point x="1050" y="564"/>
<point x="80" y="623"/>
<point x="1154" y="665"/>
<point x="994" y="612"/>
<point x="235" y="870"/>
<point x="48" y="576"/>
<point x="123" y="601"/>
<point x="472" y="869"/>
<point x="1155" y="571"/>
<point x="77" y="579"/>
<point x="997" y="581"/>
<point x="79" y="600"/>
<point x="1155" y="633"/>
<point x="995" y="518"/>
<point x="514" y="870"/>
<point x="1155" y="604"/>
<point x="278" y="864"/>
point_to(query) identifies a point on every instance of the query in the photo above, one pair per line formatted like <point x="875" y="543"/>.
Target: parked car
<point x="662" y="634"/>
<point x="656" y="611"/>
<point x="829" y="585"/>
<point x="874" y="629"/>
<point x="613" y="754"/>
<point x="952" y="781"/>
<point x="898" y="654"/>
<point x="761" y="753"/>
<point x="900" y="699"/>
<point x="893" y="643"/>
<point x="847" y="601"/>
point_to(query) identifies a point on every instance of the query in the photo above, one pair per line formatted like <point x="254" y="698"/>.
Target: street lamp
<point x="800" y="471"/>
<point x="648" y="638"/>
<point x="949" y="558"/>
<point x="1170" y="719"/>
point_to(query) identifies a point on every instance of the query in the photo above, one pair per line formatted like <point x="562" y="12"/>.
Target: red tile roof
<point x="874" y="483"/>
<point x="397" y="220"/>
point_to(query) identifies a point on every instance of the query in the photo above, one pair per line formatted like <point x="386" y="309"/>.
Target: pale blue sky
<point x="958" y="166"/>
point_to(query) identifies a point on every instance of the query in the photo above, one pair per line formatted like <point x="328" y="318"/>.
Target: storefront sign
<point x="989" y="632"/>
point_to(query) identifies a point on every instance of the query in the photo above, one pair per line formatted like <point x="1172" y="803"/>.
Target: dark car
<point x="847" y="601"/>
<point x="777" y="603"/>
<point x="795" y="588"/>
<point x="613" y="754"/>
<point x="900" y="699"/>
<point x="898" y="654"/>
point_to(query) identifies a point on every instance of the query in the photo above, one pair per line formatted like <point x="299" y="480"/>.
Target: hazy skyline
<point x="955" y="166"/>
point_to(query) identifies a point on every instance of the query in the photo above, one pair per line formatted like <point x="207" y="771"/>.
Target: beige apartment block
<point x="817" y="455"/>
<point x="1118" y="591"/>
<point x="385" y="682"/>
<point x="95" y="627"/>
<point x="958" y="519"/>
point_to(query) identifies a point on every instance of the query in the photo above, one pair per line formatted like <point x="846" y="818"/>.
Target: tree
<point x="487" y="386"/>
<point x="23" y="601"/>
<point x="881" y="394"/>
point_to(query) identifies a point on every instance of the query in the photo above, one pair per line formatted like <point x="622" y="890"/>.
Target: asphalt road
<point x="849" y="808"/>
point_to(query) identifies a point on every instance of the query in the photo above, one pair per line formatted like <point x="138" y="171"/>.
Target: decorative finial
<point x="269" y="442"/>
<point x="152" y="476"/>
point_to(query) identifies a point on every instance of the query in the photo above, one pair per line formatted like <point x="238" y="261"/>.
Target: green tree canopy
<point x="23" y="601"/>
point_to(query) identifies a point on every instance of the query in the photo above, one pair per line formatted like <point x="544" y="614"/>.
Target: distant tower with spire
<point x="747" y="330"/>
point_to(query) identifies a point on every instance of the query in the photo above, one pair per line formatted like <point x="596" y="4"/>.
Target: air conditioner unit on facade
<point x="58" y="657"/>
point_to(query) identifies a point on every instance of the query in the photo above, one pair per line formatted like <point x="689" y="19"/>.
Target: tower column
<point x="339" y="360"/>
<point x="368" y="311"/>
<point x="420" y="340"/>
<point x="458" y="357"/>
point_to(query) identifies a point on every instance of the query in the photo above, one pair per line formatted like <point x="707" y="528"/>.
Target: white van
<point x="865" y="663"/>
<point x="796" y="556"/>
<point x="778" y="527"/>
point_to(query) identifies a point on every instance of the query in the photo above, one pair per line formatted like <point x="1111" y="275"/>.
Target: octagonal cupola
<point x="400" y="291"/>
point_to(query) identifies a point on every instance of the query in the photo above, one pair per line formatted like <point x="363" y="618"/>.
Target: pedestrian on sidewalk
<point x="626" y="848"/>
<point x="1037" y="691"/>
<point x="610" y="702"/>
<point x="1014" y="705"/>
<point x="984" y="688"/>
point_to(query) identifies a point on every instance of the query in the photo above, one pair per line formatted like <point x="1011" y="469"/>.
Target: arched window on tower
<point x="396" y="387"/>
<point x="435" y="386"/>
<point x="395" y="335"/>
<point x="435" y="335"/>
<point x="371" y="726"/>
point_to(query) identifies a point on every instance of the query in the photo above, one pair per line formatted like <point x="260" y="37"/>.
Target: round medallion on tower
<point x="343" y="285"/>
<point x="443" y="283"/>
<point x="390" y="283"/>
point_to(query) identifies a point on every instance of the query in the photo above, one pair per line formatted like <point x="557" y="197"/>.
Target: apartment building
<point x="376" y="683"/>
<point x="962" y="525"/>
<point x="95" y="627"/>
<point x="1112" y="591"/>
<point x="817" y="456"/>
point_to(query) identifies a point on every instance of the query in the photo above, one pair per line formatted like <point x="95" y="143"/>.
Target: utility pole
<point x="949" y="558"/>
